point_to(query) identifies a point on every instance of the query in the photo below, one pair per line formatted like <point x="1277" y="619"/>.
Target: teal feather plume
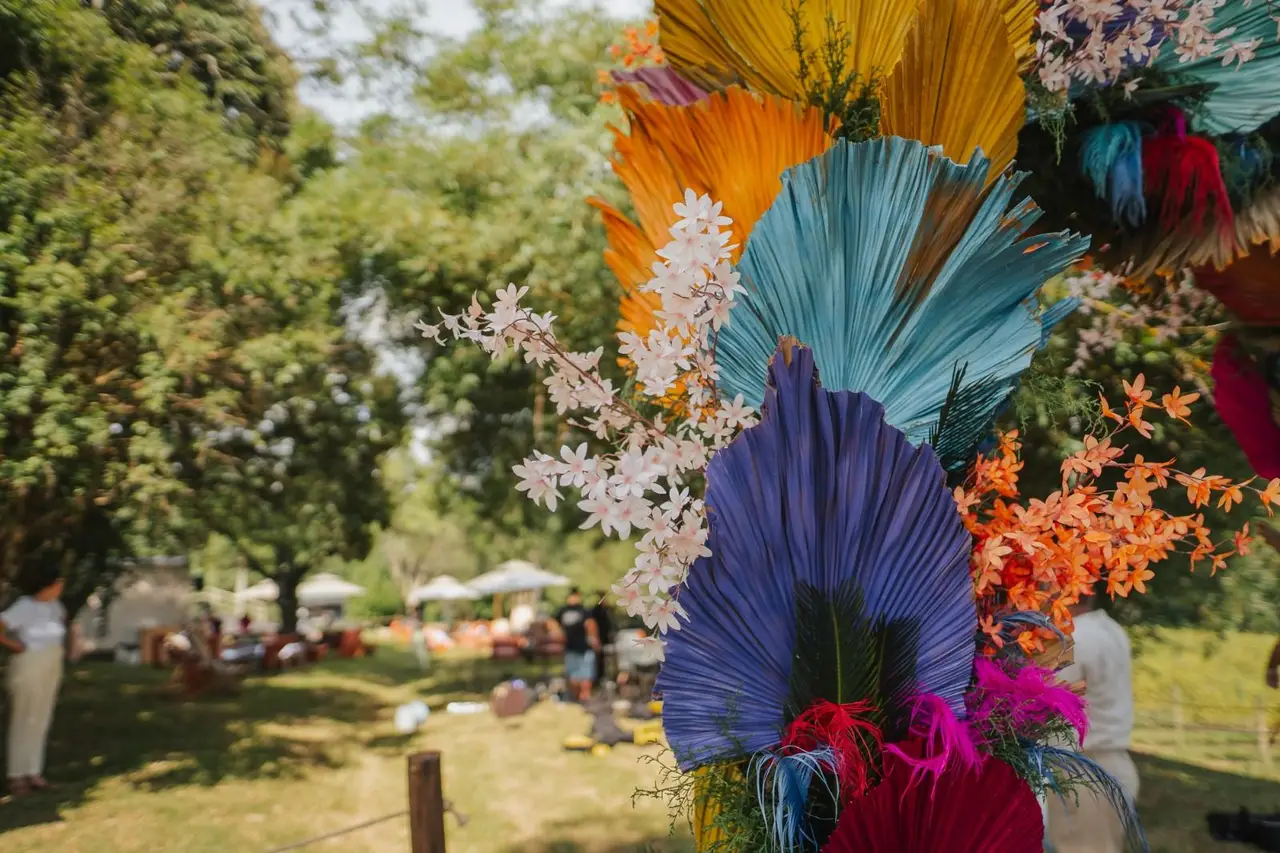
<point x="897" y="267"/>
<point x="1111" y="158"/>
<point x="1244" y="97"/>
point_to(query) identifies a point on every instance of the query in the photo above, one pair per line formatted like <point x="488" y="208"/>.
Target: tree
<point x="118" y="190"/>
<point x="224" y="46"/>
<point x="290" y="473"/>
<point x="499" y="196"/>
<point x="156" y="293"/>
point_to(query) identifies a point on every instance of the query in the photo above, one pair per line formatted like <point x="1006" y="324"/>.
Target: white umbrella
<point x="264" y="590"/>
<point x="443" y="588"/>
<point x="515" y="576"/>
<point x="327" y="589"/>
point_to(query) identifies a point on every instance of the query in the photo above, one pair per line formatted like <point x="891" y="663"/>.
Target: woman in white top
<point x="34" y="629"/>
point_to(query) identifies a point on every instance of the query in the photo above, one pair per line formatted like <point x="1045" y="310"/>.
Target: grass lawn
<point x="307" y="752"/>
<point x="314" y="750"/>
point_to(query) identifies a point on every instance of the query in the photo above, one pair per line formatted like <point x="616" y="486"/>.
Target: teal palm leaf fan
<point x="900" y="269"/>
<point x="1242" y="97"/>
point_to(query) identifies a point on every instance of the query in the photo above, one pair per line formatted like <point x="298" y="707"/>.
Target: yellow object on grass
<point x="648" y="733"/>
<point x="655" y="706"/>
<point x="599" y="750"/>
<point x="579" y="743"/>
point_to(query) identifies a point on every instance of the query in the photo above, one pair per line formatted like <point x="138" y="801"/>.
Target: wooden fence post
<point x="1178" y="723"/>
<point x="1264" y="738"/>
<point x="426" y="803"/>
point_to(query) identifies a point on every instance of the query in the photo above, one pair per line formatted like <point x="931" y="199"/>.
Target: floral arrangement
<point x="1158" y="117"/>
<point x="1098" y="42"/>
<point x="1046" y="554"/>
<point x="820" y="340"/>
<point x="1112" y="312"/>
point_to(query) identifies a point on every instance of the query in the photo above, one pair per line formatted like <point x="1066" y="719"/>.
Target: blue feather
<point x="896" y="266"/>
<point x="1111" y="158"/>
<point x="1245" y="96"/>
<point x="1063" y="770"/>
<point x="1013" y="624"/>
<point x="1252" y="162"/>
<point x="783" y="785"/>
<point x="820" y="495"/>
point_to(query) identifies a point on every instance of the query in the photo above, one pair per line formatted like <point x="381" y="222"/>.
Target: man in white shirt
<point x="1103" y="661"/>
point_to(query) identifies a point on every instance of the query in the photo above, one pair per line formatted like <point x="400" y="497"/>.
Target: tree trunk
<point x="287" y="582"/>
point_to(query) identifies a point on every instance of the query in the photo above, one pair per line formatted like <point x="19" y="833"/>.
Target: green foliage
<point x="482" y="181"/>
<point x="838" y="91"/>
<point x="155" y="291"/>
<point x="722" y="791"/>
<point x="222" y="45"/>
<point x="117" y="189"/>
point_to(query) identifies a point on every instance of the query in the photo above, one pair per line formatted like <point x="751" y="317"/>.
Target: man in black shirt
<point x="604" y="627"/>
<point x="581" y="644"/>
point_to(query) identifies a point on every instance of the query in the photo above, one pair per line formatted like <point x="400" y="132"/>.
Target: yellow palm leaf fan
<point x="1020" y="20"/>
<point x="958" y="85"/>
<point x="732" y="145"/>
<point x="706" y="808"/>
<point x="716" y="43"/>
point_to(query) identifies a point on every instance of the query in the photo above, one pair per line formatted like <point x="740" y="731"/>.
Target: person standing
<point x="1103" y="661"/>
<point x="581" y="644"/>
<point x="34" y="629"/>
<point x="604" y="626"/>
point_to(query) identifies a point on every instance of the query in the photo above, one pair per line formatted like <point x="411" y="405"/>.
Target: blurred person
<point x="34" y="629"/>
<point x="1103" y="662"/>
<point x="581" y="644"/>
<point x="1272" y="536"/>
<point x="522" y="616"/>
<point x="603" y="617"/>
<point x="245" y="624"/>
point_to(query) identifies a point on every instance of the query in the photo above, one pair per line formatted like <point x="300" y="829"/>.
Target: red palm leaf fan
<point x="1249" y="288"/>
<point x="1247" y="406"/>
<point x="990" y="810"/>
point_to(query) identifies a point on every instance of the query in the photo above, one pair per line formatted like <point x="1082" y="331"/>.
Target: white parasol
<point x="443" y="588"/>
<point x="515" y="576"/>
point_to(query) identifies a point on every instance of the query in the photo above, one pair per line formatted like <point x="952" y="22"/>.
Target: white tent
<point x="322" y="590"/>
<point x="265" y="590"/>
<point x="327" y="590"/>
<point x="515" y="576"/>
<point x="443" y="588"/>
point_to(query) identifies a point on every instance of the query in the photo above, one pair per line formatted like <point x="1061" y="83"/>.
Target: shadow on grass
<point x="1175" y="797"/>
<point x="113" y="722"/>
<point x="121" y="722"/>
<point x="567" y="837"/>
<point x="663" y="845"/>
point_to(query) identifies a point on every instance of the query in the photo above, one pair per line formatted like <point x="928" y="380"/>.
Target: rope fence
<point x="426" y="811"/>
<point x="338" y="833"/>
<point x="1254" y="722"/>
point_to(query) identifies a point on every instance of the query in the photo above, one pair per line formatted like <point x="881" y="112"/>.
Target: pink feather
<point x="1031" y="698"/>
<point x="947" y="742"/>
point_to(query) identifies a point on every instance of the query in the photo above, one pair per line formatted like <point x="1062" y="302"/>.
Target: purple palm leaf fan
<point x="663" y="84"/>
<point x="839" y="573"/>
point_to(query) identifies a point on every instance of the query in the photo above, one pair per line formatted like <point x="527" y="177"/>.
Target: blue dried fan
<point x="839" y="572"/>
<point x="897" y="267"/>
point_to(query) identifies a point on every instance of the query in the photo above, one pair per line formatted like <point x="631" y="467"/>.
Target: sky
<point x="447" y="17"/>
<point x="347" y="107"/>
